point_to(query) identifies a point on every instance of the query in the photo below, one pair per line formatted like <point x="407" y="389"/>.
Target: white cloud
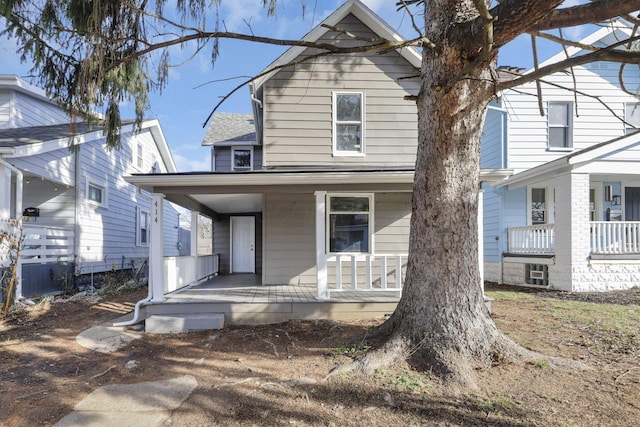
<point x="185" y="164"/>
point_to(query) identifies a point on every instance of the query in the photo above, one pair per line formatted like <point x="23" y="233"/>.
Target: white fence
<point x="46" y="244"/>
<point x="532" y="240"/>
<point x="366" y="273"/>
<point x="187" y="270"/>
<point x="615" y="237"/>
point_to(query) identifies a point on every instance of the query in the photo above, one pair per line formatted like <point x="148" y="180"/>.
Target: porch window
<point x="559" y="120"/>
<point x="348" y="123"/>
<point x="242" y="159"/>
<point x="592" y="204"/>
<point x="538" y="206"/>
<point x="349" y="218"/>
<point x="143" y="228"/>
<point x="632" y="117"/>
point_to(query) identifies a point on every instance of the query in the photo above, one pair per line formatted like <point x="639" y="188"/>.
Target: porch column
<point x="481" y="238"/>
<point x="571" y="230"/>
<point x="193" y="250"/>
<point x="321" y="258"/>
<point x="156" y="262"/>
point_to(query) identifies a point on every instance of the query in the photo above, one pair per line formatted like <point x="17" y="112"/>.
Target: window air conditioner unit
<point x="536" y="274"/>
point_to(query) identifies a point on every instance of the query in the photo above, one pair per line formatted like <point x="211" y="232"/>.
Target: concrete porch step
<point x="180" y="323"/>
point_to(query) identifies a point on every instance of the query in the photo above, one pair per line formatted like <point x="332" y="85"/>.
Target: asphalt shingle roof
<point x="37" y="134"/>
<point x="231" y="128"/>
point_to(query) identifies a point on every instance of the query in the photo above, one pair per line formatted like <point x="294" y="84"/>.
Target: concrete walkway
<point x="146" y="404"/>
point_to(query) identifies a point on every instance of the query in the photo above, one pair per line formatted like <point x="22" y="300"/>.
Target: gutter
<point x="136" y="309"/>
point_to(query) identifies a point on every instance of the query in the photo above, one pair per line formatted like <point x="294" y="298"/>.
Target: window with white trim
<point x="242" y="159"/>
<point x="538" y="206"/>
<point x="631" y="117"/>
<point x="349" y="222"/>
<point x="560" y="126"/>
<point x="140" y="156"/>
<point x="348" y="123"/>
<point x="143" y="227"/>
<point x="96" y="192"/>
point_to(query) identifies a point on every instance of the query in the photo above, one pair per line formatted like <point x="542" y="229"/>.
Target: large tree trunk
<point x="441" y="320"/>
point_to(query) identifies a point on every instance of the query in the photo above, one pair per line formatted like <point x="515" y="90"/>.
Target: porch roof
<point x="235" y="192"/>
<point x="608" y="157"/>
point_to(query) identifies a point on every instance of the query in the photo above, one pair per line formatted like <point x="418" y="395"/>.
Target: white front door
<point x="243" y="243"/>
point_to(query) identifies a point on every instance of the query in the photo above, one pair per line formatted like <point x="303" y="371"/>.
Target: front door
<point x="243" y="243"/>
<point x="632" y="204"/>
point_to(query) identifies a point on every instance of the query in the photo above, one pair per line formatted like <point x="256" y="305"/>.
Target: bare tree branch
<point x="595" y="11"/>
<point x="609" y="53"/>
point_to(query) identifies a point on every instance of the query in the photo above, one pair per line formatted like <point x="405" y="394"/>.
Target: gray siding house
<point x="315" y="186"/>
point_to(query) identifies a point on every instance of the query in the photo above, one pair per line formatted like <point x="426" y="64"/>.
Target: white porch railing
<point x="615" y="237"/>
<point x="532" y="239"/>
<point x="188" y="270"/>
<point x="46" y="244"/>
<point x="366" y="273"/>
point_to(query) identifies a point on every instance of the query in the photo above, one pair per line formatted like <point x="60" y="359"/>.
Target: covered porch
<point x="333" y="237"/>
<point x="580" y="226"/>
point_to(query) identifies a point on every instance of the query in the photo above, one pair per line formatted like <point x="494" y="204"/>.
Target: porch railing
<point x="615" y="237"/>
<point x="187" y="270"/>
<point x="43" y="244"/>
<point x="532" y="239"/>
<point x="366" y="273"/>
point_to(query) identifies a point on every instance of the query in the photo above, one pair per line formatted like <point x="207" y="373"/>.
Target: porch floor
<point x="243" y="300"/>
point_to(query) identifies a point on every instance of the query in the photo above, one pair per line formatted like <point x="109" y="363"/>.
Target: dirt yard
<point x="272" y="375"/>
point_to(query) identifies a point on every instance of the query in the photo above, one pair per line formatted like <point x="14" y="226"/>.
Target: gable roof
<point x="28" y="141"/>
<point x="231" y="129"/>
<point x="360" y="11"/>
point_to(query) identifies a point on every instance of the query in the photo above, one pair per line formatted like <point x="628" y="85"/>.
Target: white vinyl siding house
<point x="78" y="198"/>
<point x="574" y="179"/>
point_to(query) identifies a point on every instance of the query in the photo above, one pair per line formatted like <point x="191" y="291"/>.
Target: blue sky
<point x="195" y="85"/>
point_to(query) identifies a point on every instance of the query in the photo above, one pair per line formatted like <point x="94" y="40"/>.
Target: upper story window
<point x="560" y="126"/>
<point x="96" y="193"/>
<point x="631" y="117"/>
<point x="349" y="223"/>
<point x="140" y="156"/>
<point x="242" y="159"/>
<point x="538" y="206"/>
<point x="348" y="123"/>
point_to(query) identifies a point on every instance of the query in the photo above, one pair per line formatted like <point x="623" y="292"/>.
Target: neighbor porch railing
<point x="366" y="273"/>
<point x="532" y="240"/>
<point x="44" y="244"/>
<point x="188" y="270"/>
<point x="615" y="237"/>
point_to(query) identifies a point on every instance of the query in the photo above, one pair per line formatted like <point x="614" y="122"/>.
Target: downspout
<point x="136" y="309"/>
<point x="19" y="184"/>
<point x="76" y="223"/>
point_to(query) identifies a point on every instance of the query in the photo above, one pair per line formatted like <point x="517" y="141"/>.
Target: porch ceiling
<point x="231" y="203"/>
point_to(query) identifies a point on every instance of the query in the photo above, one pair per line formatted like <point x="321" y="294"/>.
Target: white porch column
<point x="571" y="229"/>
<point x="193" y="250"/>
<point x="321" y="258"/>
<point x="156" y="262"/>
<point x="481" y="238"/>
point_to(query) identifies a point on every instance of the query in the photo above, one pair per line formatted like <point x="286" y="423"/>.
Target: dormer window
<point x="242" y="159"/>
<point x="348" y="123"/>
